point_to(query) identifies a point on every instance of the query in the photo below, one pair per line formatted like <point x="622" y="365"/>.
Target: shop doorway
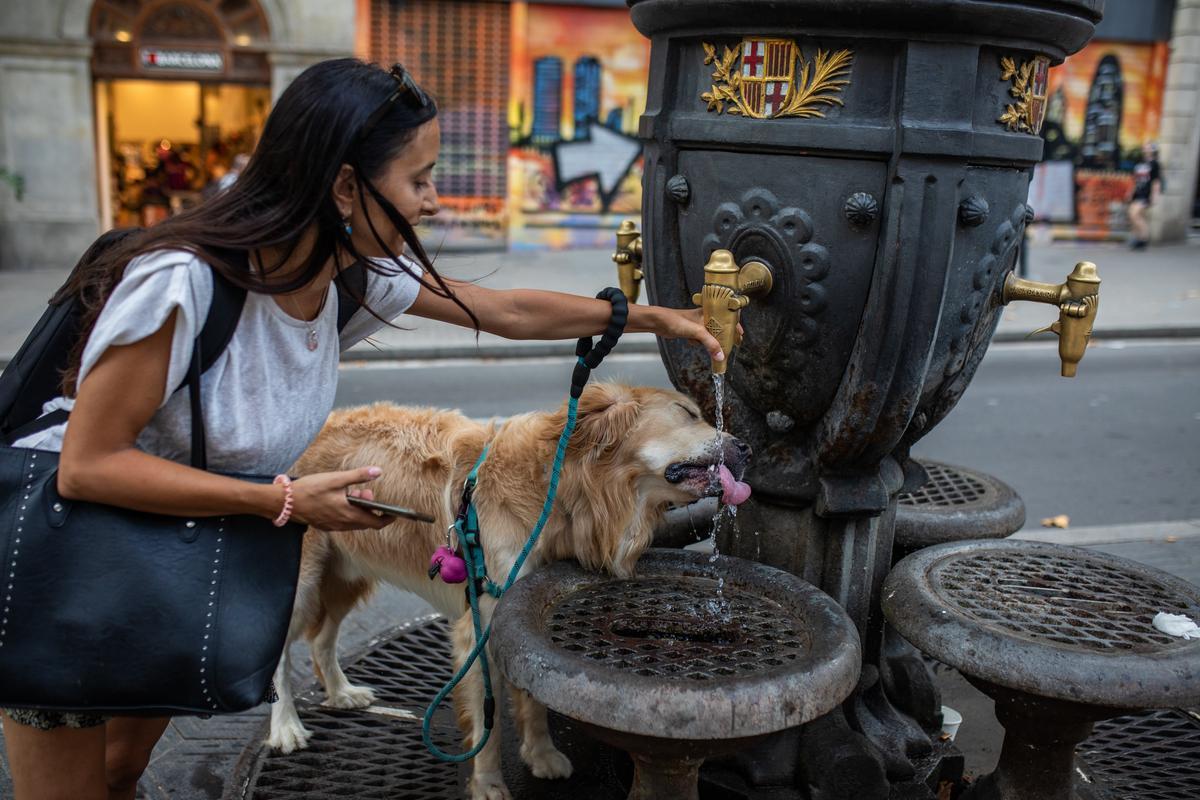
<point x="170" y="144"/>
<point x="181" y="90"/>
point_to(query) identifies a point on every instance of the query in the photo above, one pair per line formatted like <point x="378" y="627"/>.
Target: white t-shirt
<point x="266" y="396"/>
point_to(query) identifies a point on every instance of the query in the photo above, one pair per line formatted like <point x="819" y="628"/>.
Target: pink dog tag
<point x="449" y="565"/>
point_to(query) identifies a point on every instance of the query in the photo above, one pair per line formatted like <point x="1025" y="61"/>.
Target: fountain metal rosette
<point x="875" y="157"/>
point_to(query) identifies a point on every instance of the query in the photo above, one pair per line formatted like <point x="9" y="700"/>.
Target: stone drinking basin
<point x="690" y="658"/>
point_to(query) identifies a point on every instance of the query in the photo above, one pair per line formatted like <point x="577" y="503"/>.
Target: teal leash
<point x="466" y="526"/>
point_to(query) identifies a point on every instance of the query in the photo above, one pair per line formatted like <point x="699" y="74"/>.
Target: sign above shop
<point x="153" y="58"/>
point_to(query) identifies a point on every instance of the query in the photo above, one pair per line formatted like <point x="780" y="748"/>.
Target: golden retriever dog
<point x="635" y="451"/>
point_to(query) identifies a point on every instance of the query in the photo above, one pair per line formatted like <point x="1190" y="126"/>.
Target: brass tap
<point x="628" y="258"/>
<point x="727" y="290"/>
<point x="1077" y="299"/>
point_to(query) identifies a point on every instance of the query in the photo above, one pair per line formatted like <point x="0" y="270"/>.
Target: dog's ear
<point x="607" y="413"/>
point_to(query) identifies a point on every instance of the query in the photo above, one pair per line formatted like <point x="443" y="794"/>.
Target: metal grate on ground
<point x="363" y="754"/>
<point x="946" y="487"/>
<point x="1150" y="756"/>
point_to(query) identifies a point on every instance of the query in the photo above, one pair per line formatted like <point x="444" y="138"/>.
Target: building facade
<point x="116" y="112"/>
<point x="1180" y="134"/>
<point x="101" y="99"/>
<point x="1134" y="83"/>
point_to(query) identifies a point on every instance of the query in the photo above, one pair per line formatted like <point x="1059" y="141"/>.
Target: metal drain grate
<point x="1078" y="600"/>
<point x="364" y="755"/>
<point x="1152" y="756"/>
<point x="677" y="627"/>
<point x="409" y="669"/>
<point x="359" y="755"/>
<point x="946" y="486"/>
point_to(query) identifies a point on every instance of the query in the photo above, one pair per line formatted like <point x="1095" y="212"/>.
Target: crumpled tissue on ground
<point x="1176" y="625"/>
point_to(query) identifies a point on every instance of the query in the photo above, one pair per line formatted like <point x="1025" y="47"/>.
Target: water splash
<point x="714" y="475"/>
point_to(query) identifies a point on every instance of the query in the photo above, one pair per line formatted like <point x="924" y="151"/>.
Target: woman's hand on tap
<point x="674" y="323"/>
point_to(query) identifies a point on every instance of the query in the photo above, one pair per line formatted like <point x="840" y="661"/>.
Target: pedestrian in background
<point x="1147" y="186"/>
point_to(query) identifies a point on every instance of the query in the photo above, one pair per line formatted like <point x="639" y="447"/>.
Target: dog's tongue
<point x="733" y="491"/>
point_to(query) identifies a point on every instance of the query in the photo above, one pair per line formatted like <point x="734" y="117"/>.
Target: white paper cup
<point x="951" y="719"/>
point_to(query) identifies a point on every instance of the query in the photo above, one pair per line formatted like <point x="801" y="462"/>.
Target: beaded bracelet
<point x="288" y="499"/>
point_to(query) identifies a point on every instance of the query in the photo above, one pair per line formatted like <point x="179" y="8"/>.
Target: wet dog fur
<point x="635" y="451"/>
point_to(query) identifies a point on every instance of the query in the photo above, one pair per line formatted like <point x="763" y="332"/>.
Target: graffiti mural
<point x="1103" y="104"/>
<point x="574" y="163"/>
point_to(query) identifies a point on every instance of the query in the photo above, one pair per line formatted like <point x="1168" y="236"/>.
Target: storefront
<point x="181" y="90"/>
<point x="119" y="112"/>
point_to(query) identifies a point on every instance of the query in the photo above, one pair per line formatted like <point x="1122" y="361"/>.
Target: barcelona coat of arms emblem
<point x="1029" y="82"/>
<point x="766" y="78"/>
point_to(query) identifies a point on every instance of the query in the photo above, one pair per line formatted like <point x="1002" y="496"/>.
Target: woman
<point x="342" y="173"/>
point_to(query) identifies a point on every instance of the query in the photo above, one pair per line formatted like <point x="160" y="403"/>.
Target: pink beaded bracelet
<point x="288" y="499"/>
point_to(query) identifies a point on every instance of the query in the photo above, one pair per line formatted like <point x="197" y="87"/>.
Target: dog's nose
<point x="744" y="450"/>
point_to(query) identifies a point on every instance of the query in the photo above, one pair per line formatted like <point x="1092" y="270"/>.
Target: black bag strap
<point x="222" y="320"/>
<point x="199" y="446"/>
<point x="33" y="426"/>
<point x="351" y="285"/>
<point x="33" y="372"/>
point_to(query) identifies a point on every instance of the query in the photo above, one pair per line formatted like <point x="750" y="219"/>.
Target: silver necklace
<point x="312" y="342"/>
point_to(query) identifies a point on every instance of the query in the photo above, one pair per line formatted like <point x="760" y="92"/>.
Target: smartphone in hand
<point x="395" y="511"/>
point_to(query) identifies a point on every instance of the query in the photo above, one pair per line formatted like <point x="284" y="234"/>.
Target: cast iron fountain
<point x="846" y="179"/>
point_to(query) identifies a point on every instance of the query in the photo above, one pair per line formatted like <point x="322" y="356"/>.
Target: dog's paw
<point x="489" y="786"/>
<point x="289" y="736"/>
<point x="547" y="762"/>
<point x="350" y="697"/>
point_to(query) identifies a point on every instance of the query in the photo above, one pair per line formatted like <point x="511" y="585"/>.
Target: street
<point x="1115" y="445"/>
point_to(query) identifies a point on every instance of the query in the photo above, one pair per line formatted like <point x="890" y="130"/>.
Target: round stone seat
<point x="690" y="657"/>
<point x="956" y="503"/>
<point x="1058" y="636"/>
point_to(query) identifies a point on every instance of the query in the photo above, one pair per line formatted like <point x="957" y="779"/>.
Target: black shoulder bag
<point x="113" y="611"/>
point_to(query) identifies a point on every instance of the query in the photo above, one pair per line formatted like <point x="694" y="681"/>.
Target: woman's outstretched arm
<point x="538" y="314"/>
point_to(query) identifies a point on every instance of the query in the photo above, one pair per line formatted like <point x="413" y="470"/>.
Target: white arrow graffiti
<point x="605" y="155"/>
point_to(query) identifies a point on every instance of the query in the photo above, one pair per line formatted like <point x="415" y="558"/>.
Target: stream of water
<point x="723" y="510"/>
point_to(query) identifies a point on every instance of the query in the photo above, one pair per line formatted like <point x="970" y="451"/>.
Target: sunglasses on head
<point x="406" y="88"/>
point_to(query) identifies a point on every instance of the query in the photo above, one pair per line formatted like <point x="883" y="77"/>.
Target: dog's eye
<point x="688" y="411"/>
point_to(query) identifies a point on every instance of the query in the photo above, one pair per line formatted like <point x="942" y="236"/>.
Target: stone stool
<point x="1059" y="637"/>
<point x="690" y="658"/>
<point x="954" y="504"/>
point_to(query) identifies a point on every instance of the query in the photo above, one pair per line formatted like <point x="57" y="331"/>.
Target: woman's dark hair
<point x="319" y="123"/>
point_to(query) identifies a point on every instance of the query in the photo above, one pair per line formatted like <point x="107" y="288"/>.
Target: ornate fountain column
<point x="875" y="155"/>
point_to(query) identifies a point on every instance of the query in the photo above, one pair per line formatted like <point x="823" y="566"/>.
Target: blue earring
<point x="347" y="228"/>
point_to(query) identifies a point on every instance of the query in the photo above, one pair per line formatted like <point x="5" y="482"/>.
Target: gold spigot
<point x="727" y="290"/>
<point x="1077" y="300"/>
<point x="628" y="259"/>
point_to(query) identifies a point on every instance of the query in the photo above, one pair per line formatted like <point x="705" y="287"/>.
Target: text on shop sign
<point x="199" y="60"/>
